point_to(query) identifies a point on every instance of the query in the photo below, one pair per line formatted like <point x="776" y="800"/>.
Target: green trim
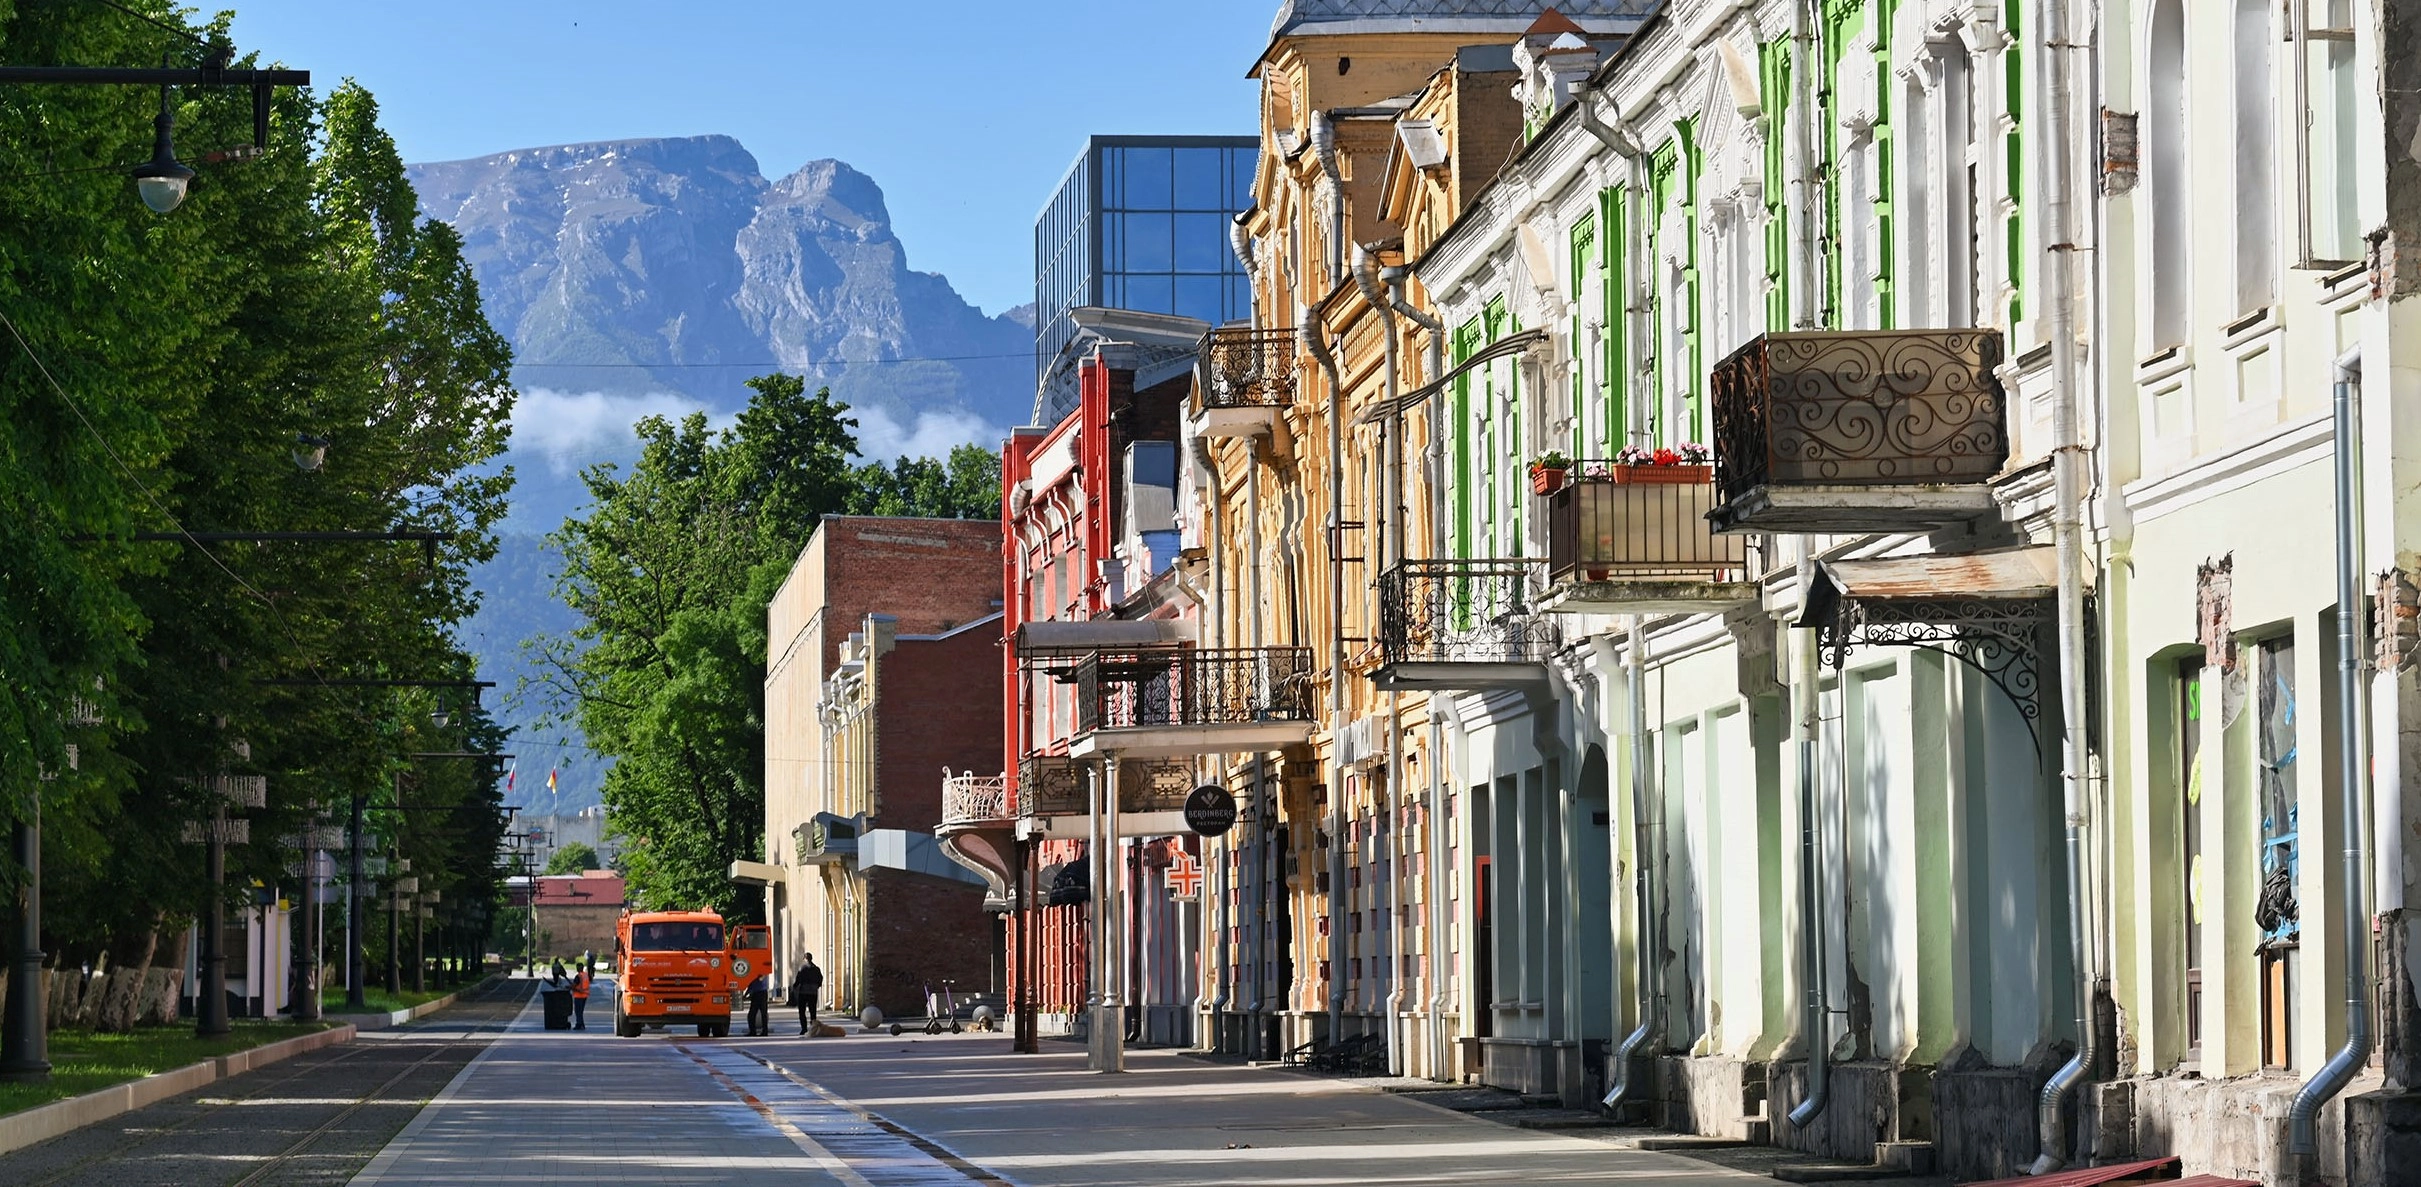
<point x="2014" y="65"/>
<point x="1584" y="252"/>
<point x="1615" y="213"/>
<point x="1774" y="81"/>
<point x="1466" y="343"/>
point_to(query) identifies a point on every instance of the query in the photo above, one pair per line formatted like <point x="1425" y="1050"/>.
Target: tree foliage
<point x="671" y="571"/>
<point x="575" y="858"/>
<point x="155" y="376"/>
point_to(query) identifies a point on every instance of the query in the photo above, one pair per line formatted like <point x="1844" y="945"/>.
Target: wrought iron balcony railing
<point x="1050" y="785"/>
<point x="1462" y="612"/>
<point x="1598" y="530"/>
<point x="1187" y="686"/>
<point x="1248" y="368"/>
<point x="1859" y="408"/>
<point x="971" y="799"/>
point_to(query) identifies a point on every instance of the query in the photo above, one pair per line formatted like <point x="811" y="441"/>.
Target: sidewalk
<point x="1043" y="1119"/>
<point x="542" y="1106"/>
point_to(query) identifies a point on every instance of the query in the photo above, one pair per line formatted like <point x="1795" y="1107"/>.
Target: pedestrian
<point x="580" y="998"/>
<point x="557" y="975"/>
<point x="803" y="990"/>
<point x="760" y="1018"/>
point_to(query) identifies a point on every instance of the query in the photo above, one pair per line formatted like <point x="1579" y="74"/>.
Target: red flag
<point x="550" y="780"/>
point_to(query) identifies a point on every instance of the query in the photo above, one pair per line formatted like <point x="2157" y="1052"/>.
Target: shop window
<point x="2276" y="912"/>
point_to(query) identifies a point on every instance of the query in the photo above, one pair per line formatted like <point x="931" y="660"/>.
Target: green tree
<point x="155" y="373"/>
<point x="964" y="486"/>
<point x="577" y="857"/>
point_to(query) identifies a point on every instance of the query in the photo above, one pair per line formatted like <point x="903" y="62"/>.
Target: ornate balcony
<point x="1858" y="431"/>
<point x="1050" y="785"/>
<point x="1178" y="702"/>
<point x="1640" y="548"/>
<point x="1461" y="624"/>
<point x="971" y="799"/>
<point x="1248" y="379"/>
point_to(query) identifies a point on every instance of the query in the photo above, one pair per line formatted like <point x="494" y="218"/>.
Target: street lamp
<point x="162" y="179"/>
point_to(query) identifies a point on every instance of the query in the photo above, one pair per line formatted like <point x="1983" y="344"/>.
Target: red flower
<point x="1667" y="457"/>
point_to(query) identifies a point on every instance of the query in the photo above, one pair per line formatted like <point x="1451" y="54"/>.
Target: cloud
<point x="881" y="437"/>
<point x="572" y="429"/>
<point x="569" y="430"/>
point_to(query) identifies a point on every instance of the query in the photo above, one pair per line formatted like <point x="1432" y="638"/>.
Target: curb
<point x="44" y="1122"/>
<point x="370" y="1022"/>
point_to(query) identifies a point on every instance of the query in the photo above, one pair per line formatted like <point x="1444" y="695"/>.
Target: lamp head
<point x="310" y="452"/>
<point x="162" y="180"/>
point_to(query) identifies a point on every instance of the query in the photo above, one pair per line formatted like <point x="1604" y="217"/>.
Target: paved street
<point x="541" y="1107"/>
<point x="313" y="1119"/>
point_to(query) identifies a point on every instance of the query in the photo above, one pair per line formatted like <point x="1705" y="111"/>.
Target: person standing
<point x="580" y="984"/>
<point x="760" y="1018"/>
<point x="804" y="989"/>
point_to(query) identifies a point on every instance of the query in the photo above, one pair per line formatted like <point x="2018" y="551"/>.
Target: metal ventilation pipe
<point x="1815" y="1019"/>
<point x="2352" y="758"/>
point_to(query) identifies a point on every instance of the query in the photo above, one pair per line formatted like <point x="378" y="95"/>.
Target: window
<point x="2164" y="176"/>
<point x="2256" y="158"/>
<point x="2275" y="912"/>
<point x="2332" y="233"/>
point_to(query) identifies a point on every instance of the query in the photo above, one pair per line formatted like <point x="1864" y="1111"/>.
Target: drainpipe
<point x="1797" y="144"/>
<point x="1240" y="241"/>
<point x="1257" y="606"/>
<point x="2068" y="472"/>
<point x="1391" y="551"/>
<point x="1313" y="341"/>
<point x="2302" y="1118"/>
<point x="1332" y="191"/>
<point x="1216" y="622"/>
<point x="1814" y="1018"/>
<point x="1646" y="827"/>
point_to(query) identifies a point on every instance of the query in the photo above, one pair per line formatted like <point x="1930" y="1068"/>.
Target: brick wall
<point x="937" y="705"/>
<point x="922" y="929"/>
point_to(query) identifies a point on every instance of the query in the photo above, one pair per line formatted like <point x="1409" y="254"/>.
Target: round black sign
<point x="1210" y="810"/>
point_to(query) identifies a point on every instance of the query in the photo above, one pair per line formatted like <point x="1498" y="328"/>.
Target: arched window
<point x="2165" y="180"/>
<point x="2256" y="158"/>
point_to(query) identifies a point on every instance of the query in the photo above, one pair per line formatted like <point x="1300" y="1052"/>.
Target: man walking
<point x="580" y="985"/>
<point x="803" y="991"/>
<point x="760" y="1019"/>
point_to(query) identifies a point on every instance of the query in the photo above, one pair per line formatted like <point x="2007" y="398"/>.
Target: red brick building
<point x="575" y="913"/>
<point x="882" y="649"/>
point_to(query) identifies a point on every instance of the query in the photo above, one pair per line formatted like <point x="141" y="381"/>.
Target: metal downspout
<point x="1220" y="994"/>
<point x="1814" y="1018"/>
<point x="1391" y="551"/>
<point x="1645" y="829"/>
<point x="2068" y="457"/>
<point x="1258" y="938"/>
<point x="1318" y="346"/>
<point x="2303" y="1117"/>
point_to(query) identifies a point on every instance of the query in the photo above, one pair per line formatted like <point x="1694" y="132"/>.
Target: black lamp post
<point x="24" y="1044"/>
<point x="162" y="179"/>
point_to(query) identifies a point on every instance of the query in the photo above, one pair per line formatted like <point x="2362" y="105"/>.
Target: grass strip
<point x="84" y="1061"/>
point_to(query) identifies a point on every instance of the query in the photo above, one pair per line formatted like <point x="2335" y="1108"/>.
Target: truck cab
<point x="751" y="955"/>
<point x="674" y="970"/>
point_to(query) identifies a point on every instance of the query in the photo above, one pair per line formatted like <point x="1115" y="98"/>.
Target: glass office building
<point x="1139" y="223"/>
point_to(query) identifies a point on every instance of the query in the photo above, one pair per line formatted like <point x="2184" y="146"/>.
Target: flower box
<point x="1547" y="480"/>
<point x="1682" y="474"/>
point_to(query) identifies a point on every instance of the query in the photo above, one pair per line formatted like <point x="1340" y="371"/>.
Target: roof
<point x="1552" y="22"/>
<point x="2009" y="573"/>
<point x="596" y="888"/>
<point x="1510" y="18"/>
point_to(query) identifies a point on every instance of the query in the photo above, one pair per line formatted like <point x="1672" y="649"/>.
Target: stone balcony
<point x="1640" y="548"/>
<point x="1248" y="381"/>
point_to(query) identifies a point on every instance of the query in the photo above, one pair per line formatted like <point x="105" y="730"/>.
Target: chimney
<point x="1554" y="58"/>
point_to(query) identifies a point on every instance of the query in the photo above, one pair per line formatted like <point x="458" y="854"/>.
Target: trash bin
<point x="558" y="1008"/>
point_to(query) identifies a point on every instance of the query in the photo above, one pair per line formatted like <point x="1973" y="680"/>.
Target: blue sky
<point x="966" y="113"/>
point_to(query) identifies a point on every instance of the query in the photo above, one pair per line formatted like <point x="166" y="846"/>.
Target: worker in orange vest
<point x="580" y="998"/>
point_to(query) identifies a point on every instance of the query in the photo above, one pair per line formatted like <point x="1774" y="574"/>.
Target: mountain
<point x="653" y="277"/>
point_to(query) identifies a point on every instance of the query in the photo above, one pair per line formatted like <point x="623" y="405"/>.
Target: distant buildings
<point x="883" y="677"/>
<point x="1139" y="223"/>
<point x="575" y="913"/>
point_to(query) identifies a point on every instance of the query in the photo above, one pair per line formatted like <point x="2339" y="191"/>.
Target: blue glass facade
<point x="1140" y="223"/>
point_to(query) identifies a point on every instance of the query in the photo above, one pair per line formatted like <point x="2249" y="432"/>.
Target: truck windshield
<point x="676" y="937"/>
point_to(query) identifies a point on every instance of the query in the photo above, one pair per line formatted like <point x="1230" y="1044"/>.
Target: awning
<point x="2013" y="574"/>
<point x="1110" y="634"/>
<point x="1986" y="610"/>
<point x="755" y="873"/>
<point x="1509" y="344"/>
<point x="1065" y="883"/>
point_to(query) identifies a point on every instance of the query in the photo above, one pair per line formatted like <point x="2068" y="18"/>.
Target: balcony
<point x="977" y="832"/>
<point x="1851" y="432"/>
<point x="1055" y="795"/>
<point x="1248" y="381"/>
<point x="1640" y="548"/>
<point x="1461" y="624"/>
<point x="1050" y="785"/>
<point x="1183" y="701"/>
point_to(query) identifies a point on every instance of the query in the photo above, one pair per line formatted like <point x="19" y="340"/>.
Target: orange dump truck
<point x="675" y="970"/>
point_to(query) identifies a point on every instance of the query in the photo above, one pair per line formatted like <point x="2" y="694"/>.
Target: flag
<point x="509" y="772"/>
<point x="550" y="780"/>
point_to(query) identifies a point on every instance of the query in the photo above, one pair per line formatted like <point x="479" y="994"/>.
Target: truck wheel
<point x="624" y="1027"/>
